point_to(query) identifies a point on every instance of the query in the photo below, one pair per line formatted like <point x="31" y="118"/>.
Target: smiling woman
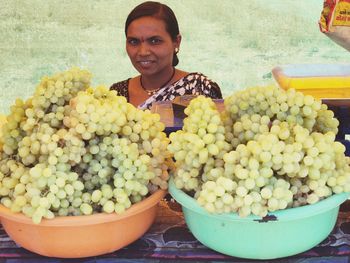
<point x="152" y="43"/>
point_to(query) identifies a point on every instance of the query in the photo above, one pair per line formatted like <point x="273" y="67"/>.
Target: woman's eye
<point x="155" y="41"/>
<point x="133" y="42"/>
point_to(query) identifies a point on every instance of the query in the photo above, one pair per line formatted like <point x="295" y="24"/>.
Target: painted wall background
<point x="234" y="42"/>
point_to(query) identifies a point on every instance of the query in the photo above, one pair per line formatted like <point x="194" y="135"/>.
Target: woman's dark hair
<point x="160" y="11"/>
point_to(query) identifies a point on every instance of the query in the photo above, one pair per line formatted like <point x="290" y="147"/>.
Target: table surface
<point x="169" y="240"/>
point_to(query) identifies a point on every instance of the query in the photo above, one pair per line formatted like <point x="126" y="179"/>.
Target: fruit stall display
<point x="73" y="151"/>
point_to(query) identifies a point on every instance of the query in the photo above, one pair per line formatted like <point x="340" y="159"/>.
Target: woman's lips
<point x="145" y="64"/>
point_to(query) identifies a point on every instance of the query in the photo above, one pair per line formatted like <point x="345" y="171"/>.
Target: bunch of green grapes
<point x="282" y="153"/>
<point x="291" y="106"/>
<point x="75" y="150"/>
<point x="47" y="106"/>
<point x="199" y="145"/>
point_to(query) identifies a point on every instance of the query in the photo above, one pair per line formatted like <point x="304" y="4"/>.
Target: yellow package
<point x="335" y="21"/>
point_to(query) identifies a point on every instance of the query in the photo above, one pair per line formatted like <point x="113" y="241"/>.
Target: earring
<point x="176" y="50"/>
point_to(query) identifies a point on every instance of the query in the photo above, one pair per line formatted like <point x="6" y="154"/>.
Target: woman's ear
<point x="177" y="41"/>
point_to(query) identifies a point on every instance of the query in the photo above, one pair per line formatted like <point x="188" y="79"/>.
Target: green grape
<point x="69" y="145"/>
<point x="277" y="146"/>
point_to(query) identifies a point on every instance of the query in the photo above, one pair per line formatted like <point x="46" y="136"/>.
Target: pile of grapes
<point x="74" y="150"/>
<point x="269" y="149"/>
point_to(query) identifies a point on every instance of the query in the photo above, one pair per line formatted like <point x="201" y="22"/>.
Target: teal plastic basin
<point x="286" y="233"/>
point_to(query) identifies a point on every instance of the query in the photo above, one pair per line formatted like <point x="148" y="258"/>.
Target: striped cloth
<point x="170" y="239"/>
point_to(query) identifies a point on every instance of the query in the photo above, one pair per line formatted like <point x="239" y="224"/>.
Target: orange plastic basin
<point x="82" y="236"/>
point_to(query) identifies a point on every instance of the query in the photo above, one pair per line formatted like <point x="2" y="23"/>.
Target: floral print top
<point x="192" y="84"/>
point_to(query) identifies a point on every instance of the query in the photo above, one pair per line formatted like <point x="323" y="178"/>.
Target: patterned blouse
<point x="192" y="84"/>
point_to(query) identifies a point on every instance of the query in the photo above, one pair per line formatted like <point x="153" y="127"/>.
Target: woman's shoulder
<point x="207" y="85"/>
<point x="121" y="87"/>
<point x="201" y="78"/>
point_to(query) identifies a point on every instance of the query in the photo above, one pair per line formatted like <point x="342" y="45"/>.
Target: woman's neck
<point x="156" y="82"/>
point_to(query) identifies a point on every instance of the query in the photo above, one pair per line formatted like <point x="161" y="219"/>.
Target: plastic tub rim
<point x="94" y="219"/>
<point x="281" y="215"/>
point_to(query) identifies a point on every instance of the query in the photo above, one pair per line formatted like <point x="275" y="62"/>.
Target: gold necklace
<point x="153" y="91"/>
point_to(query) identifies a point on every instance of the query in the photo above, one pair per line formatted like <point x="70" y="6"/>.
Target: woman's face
<point x="149" y="46"/>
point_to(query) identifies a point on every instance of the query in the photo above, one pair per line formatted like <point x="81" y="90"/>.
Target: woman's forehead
<point x="147" y="26"/>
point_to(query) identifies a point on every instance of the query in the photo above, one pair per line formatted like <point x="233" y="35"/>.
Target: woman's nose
<point x="143" y="49"/>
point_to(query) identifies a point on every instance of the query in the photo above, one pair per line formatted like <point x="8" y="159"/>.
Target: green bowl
<point x="281" y="234"/>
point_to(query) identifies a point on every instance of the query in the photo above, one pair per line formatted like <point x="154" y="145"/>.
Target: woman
<point x="152" y="43"/>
